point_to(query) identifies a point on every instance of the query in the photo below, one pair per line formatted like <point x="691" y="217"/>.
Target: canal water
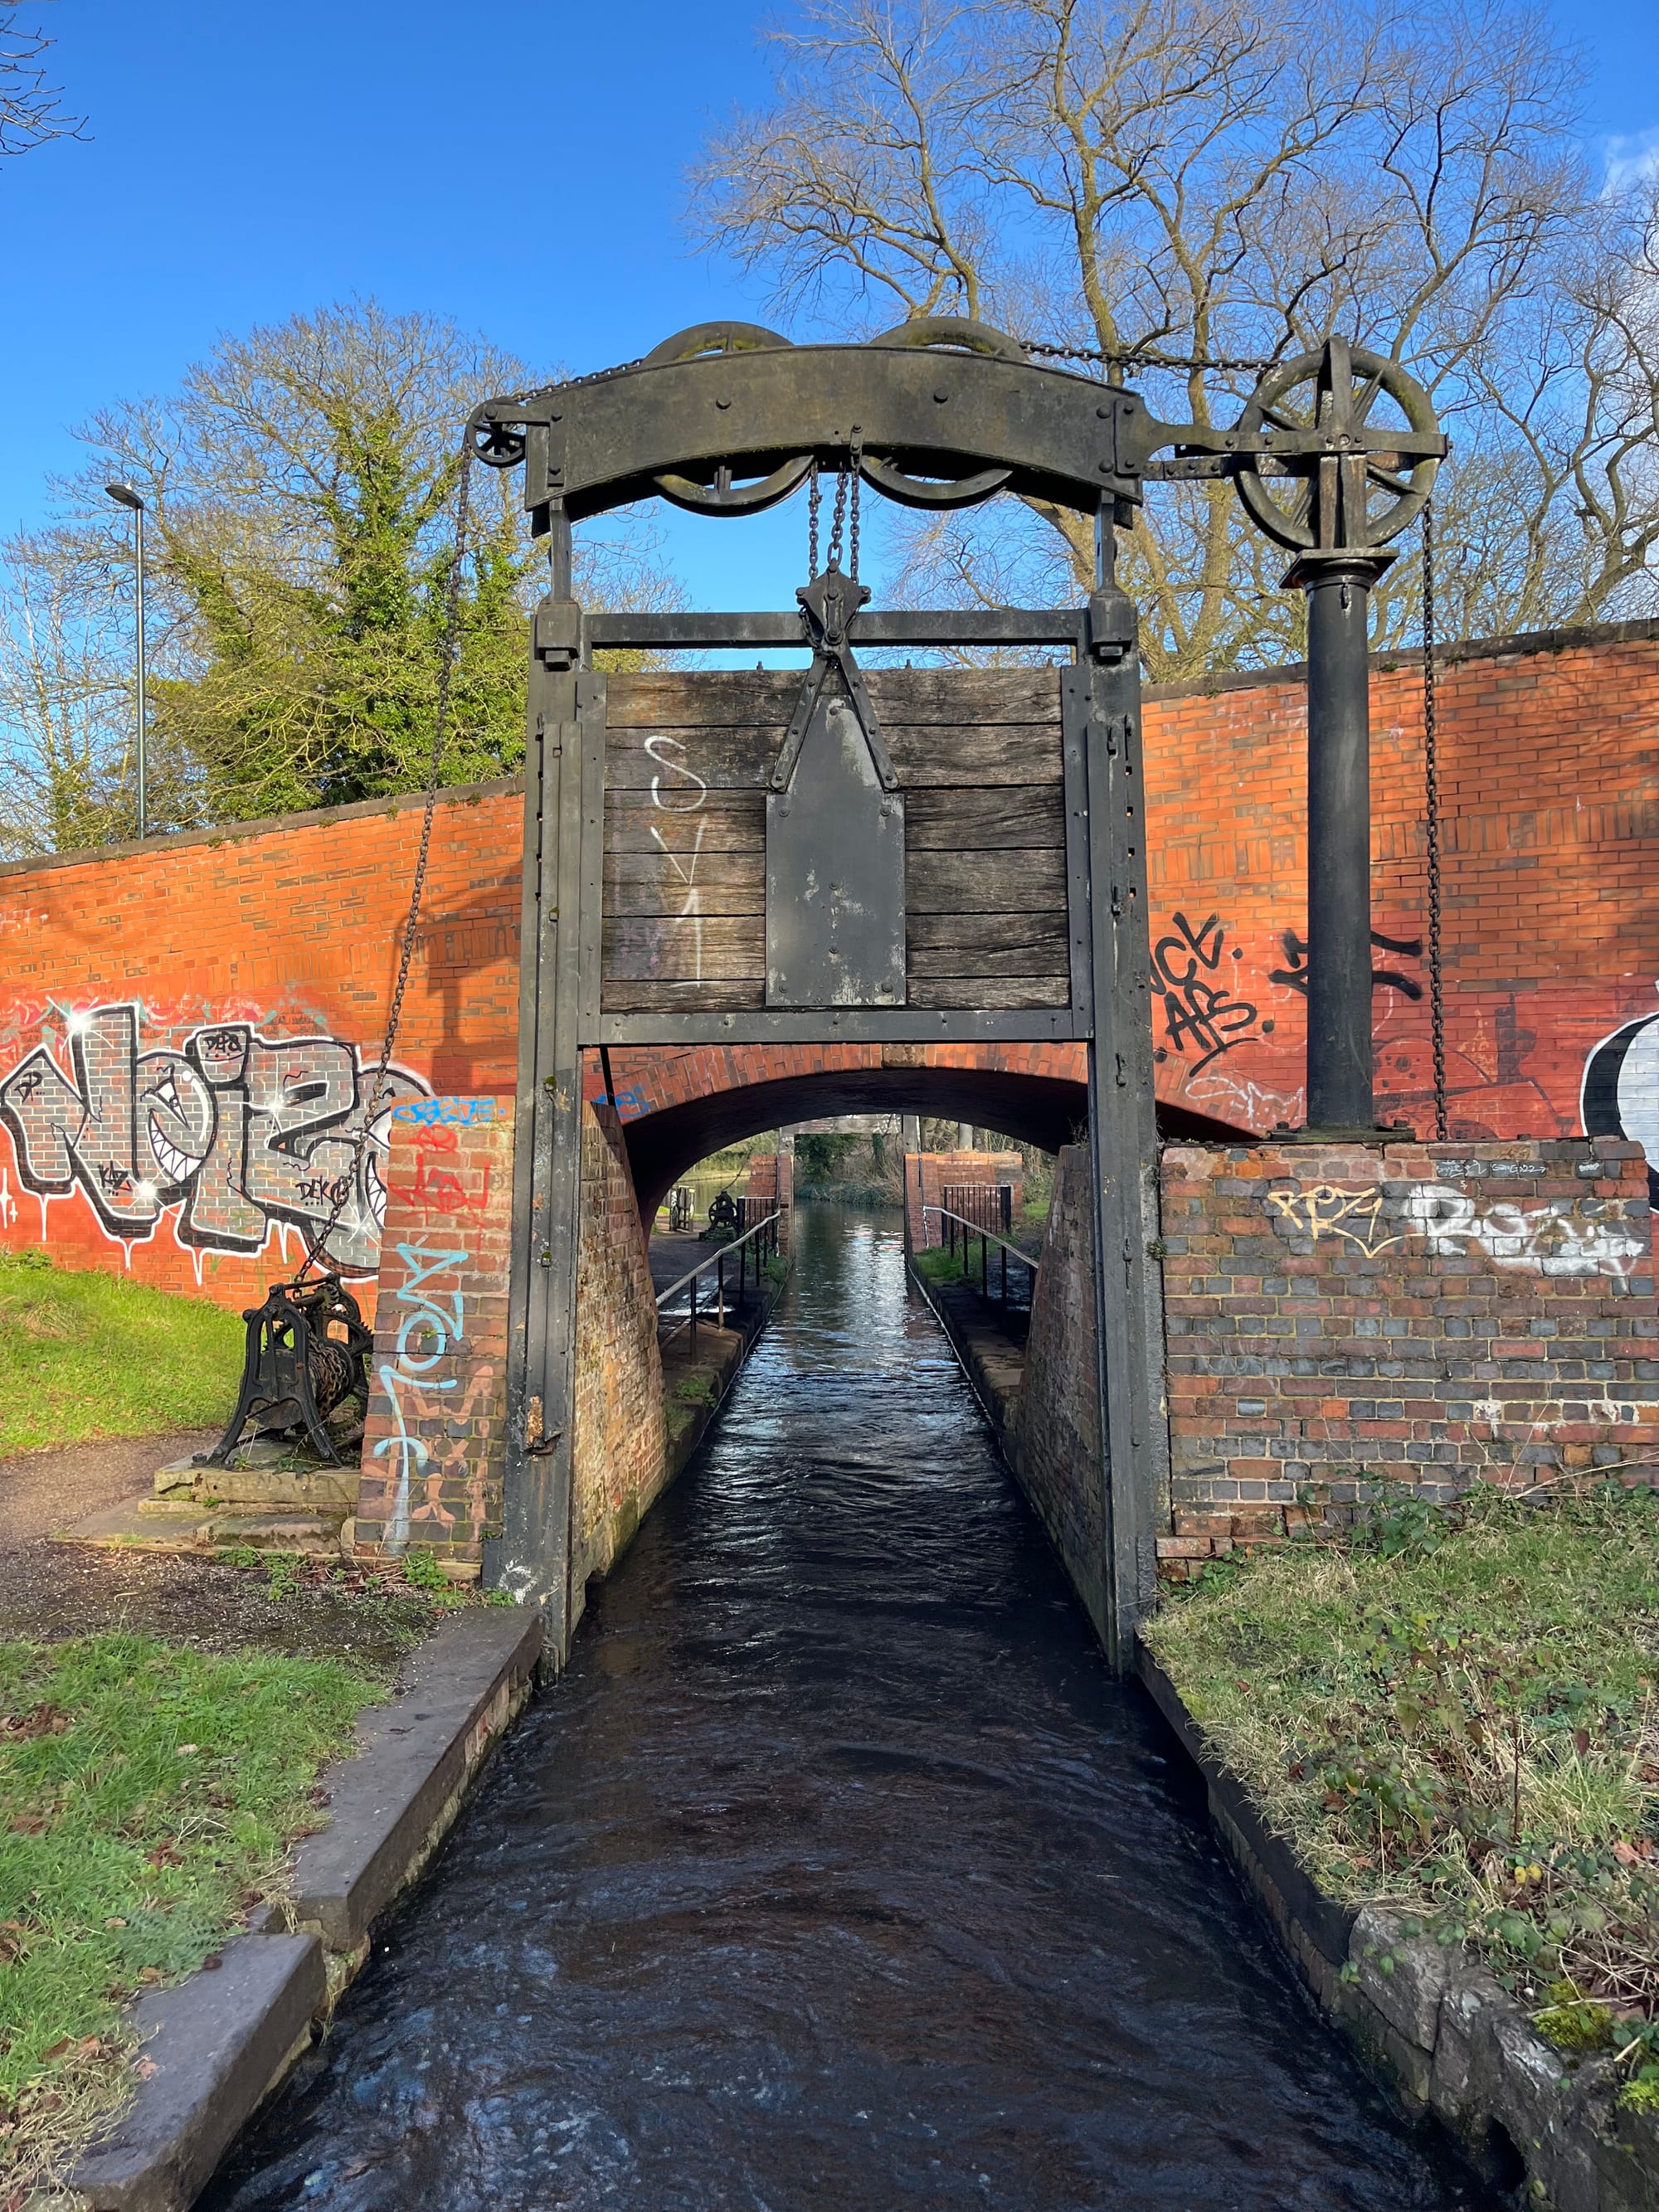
<point x="836" y="1872"/>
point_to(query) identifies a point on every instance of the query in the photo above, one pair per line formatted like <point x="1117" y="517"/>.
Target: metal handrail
<point x="988" y="1235"/>
<point x="714" y="1259"/>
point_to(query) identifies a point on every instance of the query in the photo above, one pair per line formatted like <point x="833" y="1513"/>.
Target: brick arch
<point x="679" y="1107"/>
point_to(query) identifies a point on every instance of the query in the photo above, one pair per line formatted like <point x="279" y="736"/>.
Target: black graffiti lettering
<point x="1294" y="974"/>
<point x="1207" y="1013"/>
<point x="114" y="1181"/>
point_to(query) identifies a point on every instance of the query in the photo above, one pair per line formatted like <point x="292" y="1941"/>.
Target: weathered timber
<point x="664" y="882"/>
<point x="726" y="822"/>
<point x="981" y="990"/>
<point x="626" y="994"/>
<point x="662" y="765"/>
<point x="978" y="936"/>
<point x="990" y="883"/>
<point x="662" y="700"/>
<point x="984" y="821"/>
<point x="730" y="948"/>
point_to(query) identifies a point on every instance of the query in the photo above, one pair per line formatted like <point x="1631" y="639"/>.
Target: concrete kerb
<point x="220" y="2043"/>
<point x="1435" y="2024"/>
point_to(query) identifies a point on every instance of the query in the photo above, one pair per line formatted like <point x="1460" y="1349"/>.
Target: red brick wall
<point x="433" y="1441"/>
<point x="1432" y="1314"/>
<point x="213" y="951"/>
<point x="620" y="1457"/>
<point x="1055" y="1440"/>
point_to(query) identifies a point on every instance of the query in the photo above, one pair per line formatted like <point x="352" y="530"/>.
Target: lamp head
<point x="124" y="495"/>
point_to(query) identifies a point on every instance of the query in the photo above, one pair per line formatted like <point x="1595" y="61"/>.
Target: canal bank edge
<point x="223" y="2041"/>
<point x="1432" y="2021"/>
<point x="1449" y="2039"/>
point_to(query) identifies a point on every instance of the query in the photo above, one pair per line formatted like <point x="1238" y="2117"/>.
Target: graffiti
<point x="1250" y="1105"/>
<point x="1294" y="974"/>
<point x="431" y="1331"/>
<point x="235" y="1134"/>
<point x="451" y="1113"/>
<point x="1194" y="1007"/>
<point x="436" y="1187"/>
<point x="682" y="862"/>
<point x="632" y="1101"/>
<point x="1322" y="1209"/>
<point x="1560" y="1237"/>
<point x="1619" y="1095"/>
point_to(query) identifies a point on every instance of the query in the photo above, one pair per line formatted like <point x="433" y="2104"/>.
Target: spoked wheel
<point x="1359" y="401"/>
<point x="723" y="492"/>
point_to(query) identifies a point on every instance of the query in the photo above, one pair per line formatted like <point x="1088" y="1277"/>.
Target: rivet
<point x="941" y="397"/>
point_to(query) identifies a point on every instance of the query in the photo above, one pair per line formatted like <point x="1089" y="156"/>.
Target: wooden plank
<point x="940" y="990"/>
<point x="970" y="966"/>
<point x="971" y="936"/>
<point x="731" y="949"/>
<point x="700" y="882"/>
<point x="726" y="822"/>
<point x="690" y="699"/>
<point x="925" y="755"/>
<point x="623" y="994"/>
<point x="993" y="883"/>
<point x="980" y="821"/>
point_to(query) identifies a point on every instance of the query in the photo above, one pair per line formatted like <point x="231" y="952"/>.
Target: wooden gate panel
<point x="977" y="753"/>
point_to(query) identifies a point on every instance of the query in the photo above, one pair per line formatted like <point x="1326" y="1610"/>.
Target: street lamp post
<point x="124" y="495"/>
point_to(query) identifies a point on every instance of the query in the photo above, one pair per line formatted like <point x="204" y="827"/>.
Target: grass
<point x="85" y="1355"/>
<point x="148" y="1795"/>
<point x="937" y="1263"/>
<point x="1452" y="1712"/>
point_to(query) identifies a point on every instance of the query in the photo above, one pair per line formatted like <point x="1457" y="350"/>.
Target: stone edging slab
<point x="219" y="2043"/>
<point x="1435" y="2021"/>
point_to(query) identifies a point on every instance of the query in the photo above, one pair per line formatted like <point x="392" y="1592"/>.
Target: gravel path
<point x="49" y="1589"/>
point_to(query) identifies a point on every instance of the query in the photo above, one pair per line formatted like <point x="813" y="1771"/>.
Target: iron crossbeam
<point x="992" y="626"/>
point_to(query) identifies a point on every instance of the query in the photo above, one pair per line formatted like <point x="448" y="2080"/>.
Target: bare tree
<point x="30" y="109"/>
<point x="1204" y="182"/>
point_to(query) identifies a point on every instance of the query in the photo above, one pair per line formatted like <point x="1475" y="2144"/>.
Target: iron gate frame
<point x="933" y="427"/>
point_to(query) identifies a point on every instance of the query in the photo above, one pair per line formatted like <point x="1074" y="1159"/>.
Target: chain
<point x="449" y="653"/>
<point x="1142" y="356"/>
<point x="837" y="522"/>
<point x="1431" y="827"/>
<point x="814" y="501"/>
<point x="855" y="462"/>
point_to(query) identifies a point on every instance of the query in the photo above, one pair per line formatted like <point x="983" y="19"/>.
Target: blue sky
<point x="517" y="167"/>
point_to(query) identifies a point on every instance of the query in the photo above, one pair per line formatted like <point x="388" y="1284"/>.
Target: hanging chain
<point x="838" y="523"/>
<point x="855" y="462"/>
<point x="1139" y="357"/>
<point x="814" y="501"/>
<point x="1431" y="826"/>
<point x="448" y="654"/>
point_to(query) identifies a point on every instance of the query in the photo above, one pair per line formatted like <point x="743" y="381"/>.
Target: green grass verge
<point x="1454" y="1714"/>
<point x="148" y="1794"/>
<point x="936" y="1263"/>
<point x="86" y="1355"/>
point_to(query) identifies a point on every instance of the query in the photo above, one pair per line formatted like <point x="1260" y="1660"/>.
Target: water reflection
<point x="836" y="1872"/>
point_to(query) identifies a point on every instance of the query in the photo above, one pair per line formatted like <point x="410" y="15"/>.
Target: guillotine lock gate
<point x="913" y="856"/>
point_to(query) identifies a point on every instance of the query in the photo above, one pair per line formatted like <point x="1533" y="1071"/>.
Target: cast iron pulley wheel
<point x="725" y="494"/>
<point x="495" y="444"/>
<point x="1357" y="400"/>
<point x="942" y="333"/>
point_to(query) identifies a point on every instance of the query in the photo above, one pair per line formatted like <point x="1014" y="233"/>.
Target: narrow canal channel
<point x="836" y="1872"/>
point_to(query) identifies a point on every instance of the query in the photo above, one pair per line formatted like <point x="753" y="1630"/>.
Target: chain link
<point x="449" y="653"/>
<point x="1142" y="356"/>
<point x="1431" y="826"/>
<point x="856" y="462"/>
<point x="814" y="501"/>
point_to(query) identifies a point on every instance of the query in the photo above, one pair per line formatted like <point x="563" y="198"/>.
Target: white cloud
<point x="1634" y="159"/>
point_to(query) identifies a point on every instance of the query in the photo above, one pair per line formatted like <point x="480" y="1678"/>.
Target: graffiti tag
<point x="1554" y="1238"/>
<point x="1294" y="973"/>
<point x="233" y="1132"/>
<point x="684" y="861"/>
<point x="1195" y="1008"/>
